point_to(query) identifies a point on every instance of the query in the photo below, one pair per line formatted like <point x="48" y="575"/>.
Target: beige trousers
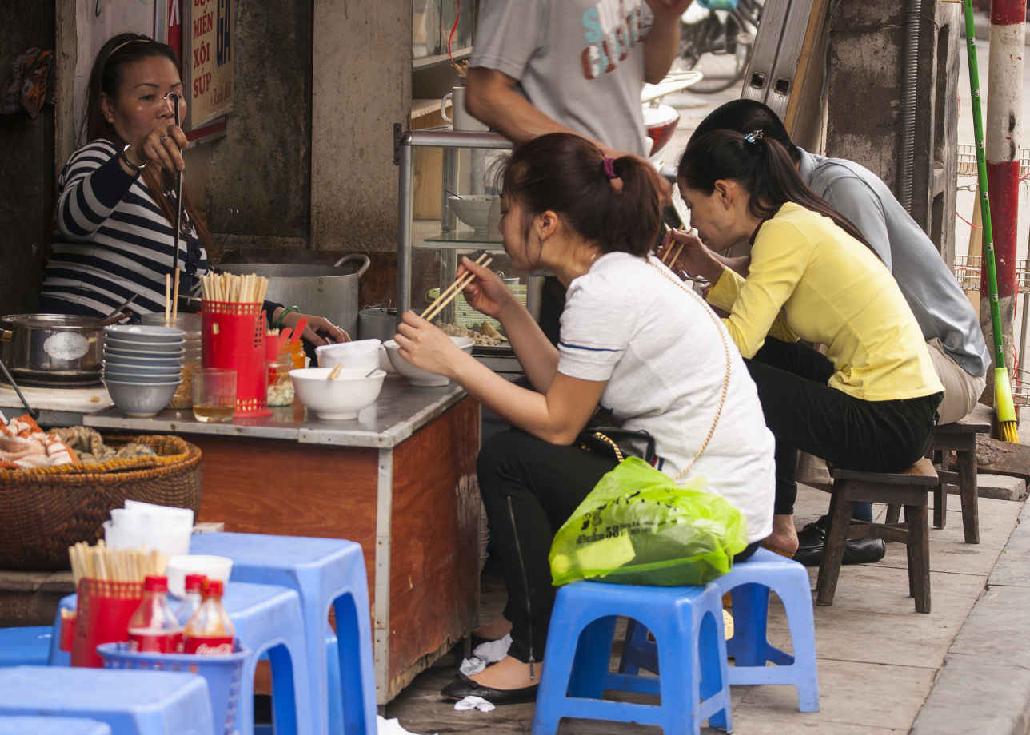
<point x="961" y="390"/>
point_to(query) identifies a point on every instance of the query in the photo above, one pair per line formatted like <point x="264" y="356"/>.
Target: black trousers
<point x="530" y="488"/>
<point x="803" y="412"/>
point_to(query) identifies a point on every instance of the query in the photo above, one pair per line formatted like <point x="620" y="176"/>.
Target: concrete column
<point x="361" y="86"/>
<point x="1004" y="133"/>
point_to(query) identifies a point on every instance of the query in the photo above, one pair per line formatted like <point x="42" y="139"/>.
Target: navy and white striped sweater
<point x="112" y="240"/>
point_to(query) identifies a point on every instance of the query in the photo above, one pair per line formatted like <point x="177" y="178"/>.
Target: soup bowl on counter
<point x="341" y="398"/>
<point x="416" y="375"/>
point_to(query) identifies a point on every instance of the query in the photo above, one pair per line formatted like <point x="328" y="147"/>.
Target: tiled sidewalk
<point x="878" y="658"/>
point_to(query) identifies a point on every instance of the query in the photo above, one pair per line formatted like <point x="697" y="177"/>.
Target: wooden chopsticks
<point x="451" y="292"/>
<point x="171" y="297"/>
<point x="672" y="254"/>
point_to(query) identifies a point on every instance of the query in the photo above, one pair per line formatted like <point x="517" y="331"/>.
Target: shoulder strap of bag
<point x="726" y="373"/>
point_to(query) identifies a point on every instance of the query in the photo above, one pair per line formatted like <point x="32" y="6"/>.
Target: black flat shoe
<point x="856" y="551"/>
<point x="462" y="687"/>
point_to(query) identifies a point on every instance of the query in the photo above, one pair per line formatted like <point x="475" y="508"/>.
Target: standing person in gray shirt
<point x="944" y="314"/>
<point x="570" y="66"/>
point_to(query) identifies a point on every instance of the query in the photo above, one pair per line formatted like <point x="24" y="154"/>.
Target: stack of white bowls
<point x="142" y="367"/>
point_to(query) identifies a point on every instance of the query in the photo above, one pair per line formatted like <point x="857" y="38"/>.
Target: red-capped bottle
<point x="191" y="600"/>
<point x="210" y="632"/>
<point x="154" y="628"/>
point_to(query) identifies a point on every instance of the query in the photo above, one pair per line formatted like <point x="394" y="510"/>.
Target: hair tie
<point x="754" y="136"/>
<point x="608" y="163"/>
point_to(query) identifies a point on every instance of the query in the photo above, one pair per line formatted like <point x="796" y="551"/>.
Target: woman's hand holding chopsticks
<point x="683" y="252"/>
<point x="487" y="293"/>
<point x="426" y="346"/>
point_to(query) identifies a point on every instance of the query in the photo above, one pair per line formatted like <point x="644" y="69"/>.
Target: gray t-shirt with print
<point x="580" y="62"/>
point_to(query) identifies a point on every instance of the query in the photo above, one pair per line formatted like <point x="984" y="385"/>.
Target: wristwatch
<point x="125" y="157"/>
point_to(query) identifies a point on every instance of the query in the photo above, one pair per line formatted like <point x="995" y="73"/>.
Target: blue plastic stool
<point x="130" y="702"/>
<point x="325" y="573"/>
<point x="267" y="619"/>
<point x="749" y="583"/>
<point x="52" y="726"/>
<point x="28" y="646"/>
<point x="687" y="622"/>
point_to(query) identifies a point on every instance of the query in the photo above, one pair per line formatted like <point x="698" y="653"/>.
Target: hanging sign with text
<point x="210" y="60"/>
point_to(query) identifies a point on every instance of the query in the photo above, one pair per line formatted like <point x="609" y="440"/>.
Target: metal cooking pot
<point x="319" y="290"/>
<point x="40" y="347"/>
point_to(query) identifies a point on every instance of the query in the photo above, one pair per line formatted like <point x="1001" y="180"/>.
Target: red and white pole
<point x="1004" y="134"/>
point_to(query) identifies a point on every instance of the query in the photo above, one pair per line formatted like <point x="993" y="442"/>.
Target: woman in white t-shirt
<point x="633" y="340"/>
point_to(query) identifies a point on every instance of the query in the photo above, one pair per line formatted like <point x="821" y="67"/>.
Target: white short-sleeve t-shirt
<point x="662" y="354"/>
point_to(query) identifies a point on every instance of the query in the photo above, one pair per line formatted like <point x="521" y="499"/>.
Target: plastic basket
<point x="224" y="674"/>
<point x="104" y="609"/>
<point x="234" y="339"/>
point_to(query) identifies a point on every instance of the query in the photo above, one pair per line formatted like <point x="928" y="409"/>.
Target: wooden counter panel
<point x="290" y="489"/>
<point x="434" y="565"/>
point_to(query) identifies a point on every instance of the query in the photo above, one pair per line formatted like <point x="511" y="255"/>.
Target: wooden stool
<point x="909" y="489"/>
<point x="960" y="438"/>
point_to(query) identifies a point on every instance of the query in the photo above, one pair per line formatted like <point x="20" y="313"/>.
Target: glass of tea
<point x="214" y="395"/>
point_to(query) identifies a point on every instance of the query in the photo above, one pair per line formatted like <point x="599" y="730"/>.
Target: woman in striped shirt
<point x="116" y="201"/>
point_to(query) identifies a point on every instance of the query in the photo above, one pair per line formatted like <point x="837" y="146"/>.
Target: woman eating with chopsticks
<point x="632" y="338"/>
<point x="116" y="199"/>
<point x="870" y="402"/>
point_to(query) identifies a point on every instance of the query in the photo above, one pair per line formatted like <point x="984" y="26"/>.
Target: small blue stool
<point x="749" y="583"/>
<point x="130" y="702"/>
<point x="268" y="620"/>
<point x="52" y="726"/>
<point x="325" y="573"/>
<point x="27" y="646"/>
<point x="688" y="627"/>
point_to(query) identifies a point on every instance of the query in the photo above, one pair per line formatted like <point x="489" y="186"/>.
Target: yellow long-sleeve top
<point x="811" y="280"/>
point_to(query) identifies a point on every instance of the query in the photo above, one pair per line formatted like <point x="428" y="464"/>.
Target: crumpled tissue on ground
<point x="478" y="703"/>
<point x="472" y="666"/>
<point x="390" y="727"/>
<point x="493" y="651"/>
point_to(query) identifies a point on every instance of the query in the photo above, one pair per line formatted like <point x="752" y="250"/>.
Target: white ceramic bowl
<point x="162" y="359"/>
<point x="140" y="400"/>
<point x="473" y="209"/>
<point x="135" y="347"/>
<point x="338" y="399"/>
<point x="416" y="375"/>
<point x="141" y="378"/>
<point x="144" y="333"/>
<point x="362" y="354"/>
<point x="212" y="567"/>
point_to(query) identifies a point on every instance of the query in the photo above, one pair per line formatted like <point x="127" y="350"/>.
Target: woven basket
<point x="44" y="511"/>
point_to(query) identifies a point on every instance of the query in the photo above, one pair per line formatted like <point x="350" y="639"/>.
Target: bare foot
<point x="508" y="673"/>
<point x="784" y="538"/>
<point x="493" y="630"/>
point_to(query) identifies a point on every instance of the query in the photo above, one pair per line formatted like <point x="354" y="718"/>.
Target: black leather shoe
<point x="462" y="687"/>
<point x="812" y="544"/>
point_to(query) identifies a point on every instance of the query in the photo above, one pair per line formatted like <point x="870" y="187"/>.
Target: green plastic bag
<point x="637" y="526"/>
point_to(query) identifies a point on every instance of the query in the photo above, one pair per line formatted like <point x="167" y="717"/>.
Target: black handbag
<point x="620" y="443"/>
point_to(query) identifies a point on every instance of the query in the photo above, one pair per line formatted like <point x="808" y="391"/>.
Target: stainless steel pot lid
<point x="51" y="321"/>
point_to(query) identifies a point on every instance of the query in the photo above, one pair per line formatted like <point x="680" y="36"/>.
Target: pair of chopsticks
<point x="451" y="292"/>
<point x="171" y="298"/>
<point x="672" y="253"/>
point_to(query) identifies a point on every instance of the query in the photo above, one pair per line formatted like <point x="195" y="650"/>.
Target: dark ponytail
<point x="611" y="202"/>
<point x="762" y="166"/>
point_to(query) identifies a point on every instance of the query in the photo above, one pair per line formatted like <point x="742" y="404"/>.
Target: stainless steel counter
<point x="400" y="411"/>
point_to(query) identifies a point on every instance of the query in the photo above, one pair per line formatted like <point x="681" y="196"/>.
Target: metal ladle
<point x="33" y="412"/>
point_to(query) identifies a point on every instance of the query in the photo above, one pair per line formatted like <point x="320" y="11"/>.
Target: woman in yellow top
<point x="870" y="402"/>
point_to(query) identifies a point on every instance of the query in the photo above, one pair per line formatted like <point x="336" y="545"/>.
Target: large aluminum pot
<point x="319" y="290"/>
<point x="41" y="346"/>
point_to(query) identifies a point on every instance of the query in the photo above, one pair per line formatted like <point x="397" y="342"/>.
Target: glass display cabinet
<point x="429" y="250"/>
